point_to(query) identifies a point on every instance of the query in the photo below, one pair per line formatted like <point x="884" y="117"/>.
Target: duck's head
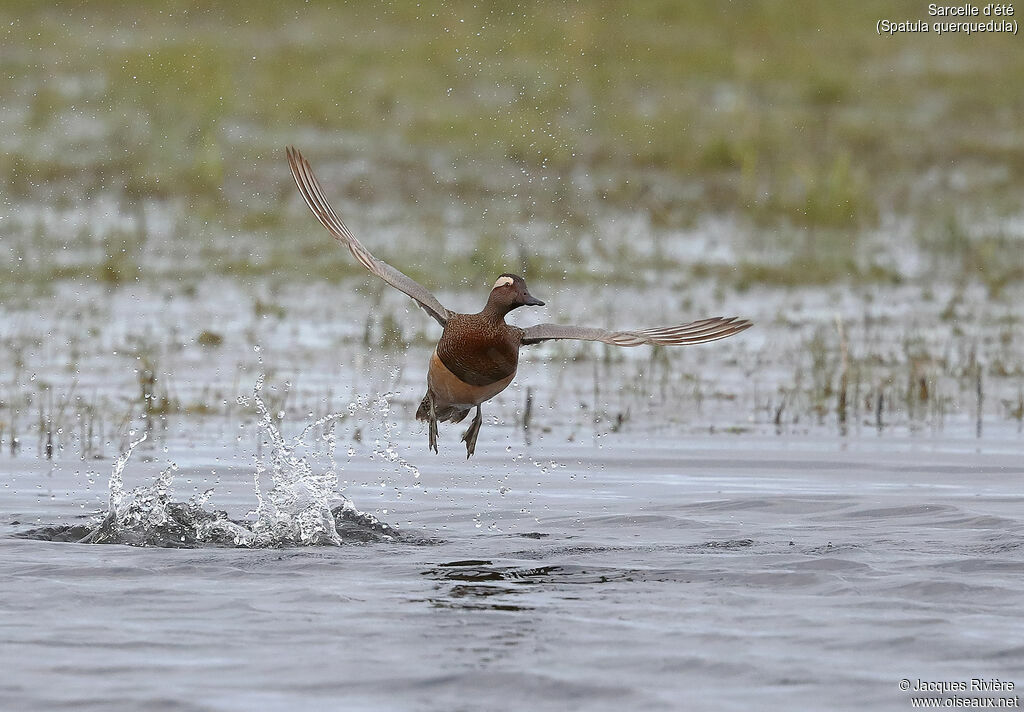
<point x="510" y="292"/>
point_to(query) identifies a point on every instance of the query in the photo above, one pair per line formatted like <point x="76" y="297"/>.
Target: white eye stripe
<point x="502" y="281"/>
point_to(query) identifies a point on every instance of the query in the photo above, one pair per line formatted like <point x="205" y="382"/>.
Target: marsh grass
<point x="662" y="109"/>
<point x="579" y="145"/>
<point x="978" y="253"/>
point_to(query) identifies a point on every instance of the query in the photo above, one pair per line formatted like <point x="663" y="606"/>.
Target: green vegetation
<point x="210" y="339"/>
<point x="554" y="121"/>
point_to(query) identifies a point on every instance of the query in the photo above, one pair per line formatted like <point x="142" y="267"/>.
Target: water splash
<point x="387" y="450"/>
<point x="301" y="507"/>
<point x="139" y="514"/>
<point x="116" y="485"/>
<point x="297" y="507"/>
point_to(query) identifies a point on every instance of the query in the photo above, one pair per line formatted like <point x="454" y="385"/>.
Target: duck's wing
<point x="311" y="192"/>
<point x="697" y="332"/>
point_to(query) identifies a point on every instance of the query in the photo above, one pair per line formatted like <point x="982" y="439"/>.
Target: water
<point x="297" y="509"/>
<point x="658" y="541"/>
<point x="712" y="573"/>
<point x="797" y="518"/>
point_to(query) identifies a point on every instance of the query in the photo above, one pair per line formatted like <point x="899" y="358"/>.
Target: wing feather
<point x="697" y="332"/>
<point x="313" y="194"/>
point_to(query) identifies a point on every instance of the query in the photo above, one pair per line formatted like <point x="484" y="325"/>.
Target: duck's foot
<point x="469" y="437"/>
<point x="432" y="428"/>
<point x="432" y="437"/>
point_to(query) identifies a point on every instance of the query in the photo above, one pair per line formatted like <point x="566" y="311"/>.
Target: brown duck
<point x="477" y="355"/>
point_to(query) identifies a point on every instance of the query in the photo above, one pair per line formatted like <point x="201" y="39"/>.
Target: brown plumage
<point x="478" y="354"/>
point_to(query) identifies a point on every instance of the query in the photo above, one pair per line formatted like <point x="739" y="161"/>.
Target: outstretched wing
<point x="696" y="332"/>
<point x="311" y="192"/>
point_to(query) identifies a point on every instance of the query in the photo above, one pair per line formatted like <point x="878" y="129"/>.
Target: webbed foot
<point x="469" y="437"/>
<point x="432" y="428"/>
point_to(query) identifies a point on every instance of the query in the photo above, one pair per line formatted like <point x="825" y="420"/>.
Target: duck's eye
<point x="502" y="281"/>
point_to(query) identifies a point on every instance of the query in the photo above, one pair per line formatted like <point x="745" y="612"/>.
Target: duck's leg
<point x="469" y="437"/>
<point x="432" y="427"/>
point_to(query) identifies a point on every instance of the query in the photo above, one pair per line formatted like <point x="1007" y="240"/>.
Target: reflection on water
<point x="481" y="584"/>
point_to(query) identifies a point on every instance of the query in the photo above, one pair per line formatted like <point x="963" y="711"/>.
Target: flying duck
<point x="477" y="355"/>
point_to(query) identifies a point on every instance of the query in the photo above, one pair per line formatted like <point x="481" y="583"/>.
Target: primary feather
<point x="313" y="194"/>
<point x="697" y="332"/>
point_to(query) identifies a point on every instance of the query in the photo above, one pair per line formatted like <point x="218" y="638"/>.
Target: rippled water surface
<point x="659" y="538"/>
<point x="691" y="529"/>
<point x="697" y="573"/>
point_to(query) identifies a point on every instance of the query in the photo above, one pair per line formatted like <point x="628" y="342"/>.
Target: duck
<point x="477" y="355"/>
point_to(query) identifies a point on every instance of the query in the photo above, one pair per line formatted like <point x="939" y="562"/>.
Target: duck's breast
<point x="449" y="389"/>
<point x="474" y="360"/>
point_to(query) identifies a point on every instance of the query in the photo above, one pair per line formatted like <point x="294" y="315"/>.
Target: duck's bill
<point x="532" y="301"/>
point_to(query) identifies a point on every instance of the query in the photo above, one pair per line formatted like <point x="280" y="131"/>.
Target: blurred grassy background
<point x="858" y="196"/>
<point x="591" y="136"/>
